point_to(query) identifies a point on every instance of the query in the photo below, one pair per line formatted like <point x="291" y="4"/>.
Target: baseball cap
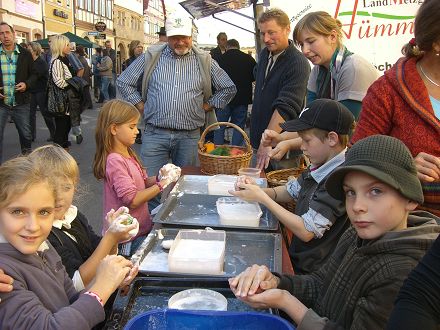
<point x="178" y="26"/>
<point x="325" y="114"/>
<point x="383" y="157"/>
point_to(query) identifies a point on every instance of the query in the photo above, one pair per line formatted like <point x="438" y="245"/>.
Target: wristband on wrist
<point x="96" y="296"/>
<point x="159" y="185"/>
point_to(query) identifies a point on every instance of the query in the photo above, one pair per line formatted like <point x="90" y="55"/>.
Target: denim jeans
<point x="238" y="114"/>
<point x="21" y="115"/>
<point x="159" y="146"/>
<point x="105" y="83"/>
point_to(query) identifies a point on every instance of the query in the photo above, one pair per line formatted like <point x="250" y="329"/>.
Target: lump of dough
<point x="166" y="244"/>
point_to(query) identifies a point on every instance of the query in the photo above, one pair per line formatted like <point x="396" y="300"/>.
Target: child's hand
<point x="280" y="150"/>
<point x="169" y="173"/>
<point x="243" y="179"/>
<point x="249" y="193"/>
<point x="123" y="230"/>
<point x="111" y="272"/>
<point x="253" y="280"/>
<point x="130" y="277"/>
<point x="111" y="216"/>
<point x="5" y="282"/>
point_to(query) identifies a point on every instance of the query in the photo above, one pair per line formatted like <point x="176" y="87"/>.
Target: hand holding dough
<point x="169" y="173"/>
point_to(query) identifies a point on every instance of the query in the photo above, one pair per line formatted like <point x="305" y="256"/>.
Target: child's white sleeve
<point x="77" y="281"/>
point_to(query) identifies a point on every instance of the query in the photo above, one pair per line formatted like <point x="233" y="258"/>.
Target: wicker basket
<point x="215" y="164"/>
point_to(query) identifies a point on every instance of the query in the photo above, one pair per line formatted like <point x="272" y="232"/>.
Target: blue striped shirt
<point x="175" y="90"/>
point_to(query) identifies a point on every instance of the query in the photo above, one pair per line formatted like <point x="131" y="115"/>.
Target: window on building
<point x="109" y="9"/>
<point x="103" y="8"/>
<point x="96" y="7"/>
<point x="59" y="2"/>
<point x="67" y="3"/>
<point x="21" y="37"/>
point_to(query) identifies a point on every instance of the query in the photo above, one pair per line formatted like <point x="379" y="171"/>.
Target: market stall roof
<point x="73" y="38"/>
<point x="204" y="8"/>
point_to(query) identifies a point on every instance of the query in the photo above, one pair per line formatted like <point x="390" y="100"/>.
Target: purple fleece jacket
<point x="43" y="296"/>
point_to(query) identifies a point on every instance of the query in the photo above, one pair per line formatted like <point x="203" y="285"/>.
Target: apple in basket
<point x="236" y="152"/>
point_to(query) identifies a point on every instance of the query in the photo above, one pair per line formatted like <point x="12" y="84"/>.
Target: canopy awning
<point x="73" y="38"/>
<point x="204" y="8"/>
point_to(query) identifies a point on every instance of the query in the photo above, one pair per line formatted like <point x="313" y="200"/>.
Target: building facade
<point x="58" y="16"/>
<point x="94" y="21"/>
<point x="25" y="16"/>
<point x="128" y="26"/>
<point x="154" y="19"/>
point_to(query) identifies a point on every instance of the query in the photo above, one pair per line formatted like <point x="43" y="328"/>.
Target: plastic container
<point x="235" y="212"/>
<point x="198" y="299"/>
<point x="198" y="252"/>
<point x="197" y="320"/>
<point x="250" y="172"/>
<point x="221" y="184"/>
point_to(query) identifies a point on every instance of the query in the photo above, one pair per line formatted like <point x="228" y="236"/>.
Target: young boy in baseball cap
<point x="319" y="219"/>
<point x="356" y="287"/>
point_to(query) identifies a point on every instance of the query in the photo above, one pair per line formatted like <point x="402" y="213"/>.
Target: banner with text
<point x="375" y="29"/>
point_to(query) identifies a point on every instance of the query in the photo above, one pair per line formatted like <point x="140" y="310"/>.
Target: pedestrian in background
<point x="16" y="77"/>
<point x="134" y="50"/>
<point x="96" y="58"/>
<point x="218" y="51"/>
<point x="39" y="92"/>
<point x="87" y="99"/>
<point x="240" y="68"/>
<point x="105" y="71"/>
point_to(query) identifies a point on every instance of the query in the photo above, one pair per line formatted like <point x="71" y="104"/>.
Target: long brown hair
<point x="114" y="112"/>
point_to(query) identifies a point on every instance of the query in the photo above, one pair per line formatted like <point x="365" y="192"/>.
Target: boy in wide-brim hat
<point x="356" y="287"/>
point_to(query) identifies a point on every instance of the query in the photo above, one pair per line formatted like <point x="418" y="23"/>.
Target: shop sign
<point x="60" y="13"/>
<point x="100" y="26"/>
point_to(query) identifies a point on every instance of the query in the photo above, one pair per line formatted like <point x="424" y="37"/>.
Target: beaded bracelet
<point x="96" y="296"/>
<point x="160" y="186"/>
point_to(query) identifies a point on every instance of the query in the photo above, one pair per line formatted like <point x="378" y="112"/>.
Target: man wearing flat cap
<point x="176" y="95"/>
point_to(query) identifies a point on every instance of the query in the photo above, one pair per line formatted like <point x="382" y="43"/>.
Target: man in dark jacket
<point x="240" y="68"/>
<point x="218" y="51"/>
<point x="17" y="76"/>
<point x="281" y="81"/>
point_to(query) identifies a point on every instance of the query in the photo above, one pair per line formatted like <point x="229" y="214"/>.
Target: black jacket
<point x="75" y="254"/>
<point x="42" y="72"/>
<point x="24" y="73"/>
<point x="216" y="53"/>
<point x="240" y="68"/>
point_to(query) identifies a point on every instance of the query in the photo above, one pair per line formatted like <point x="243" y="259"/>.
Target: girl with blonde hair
<point x="81" y="250"/>
<point x="43" y="295"/>
<point x="126" y="182"/>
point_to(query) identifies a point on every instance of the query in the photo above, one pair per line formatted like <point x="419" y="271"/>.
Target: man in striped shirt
<point x="16" y="77"/>
<point x="176" y="95"/>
